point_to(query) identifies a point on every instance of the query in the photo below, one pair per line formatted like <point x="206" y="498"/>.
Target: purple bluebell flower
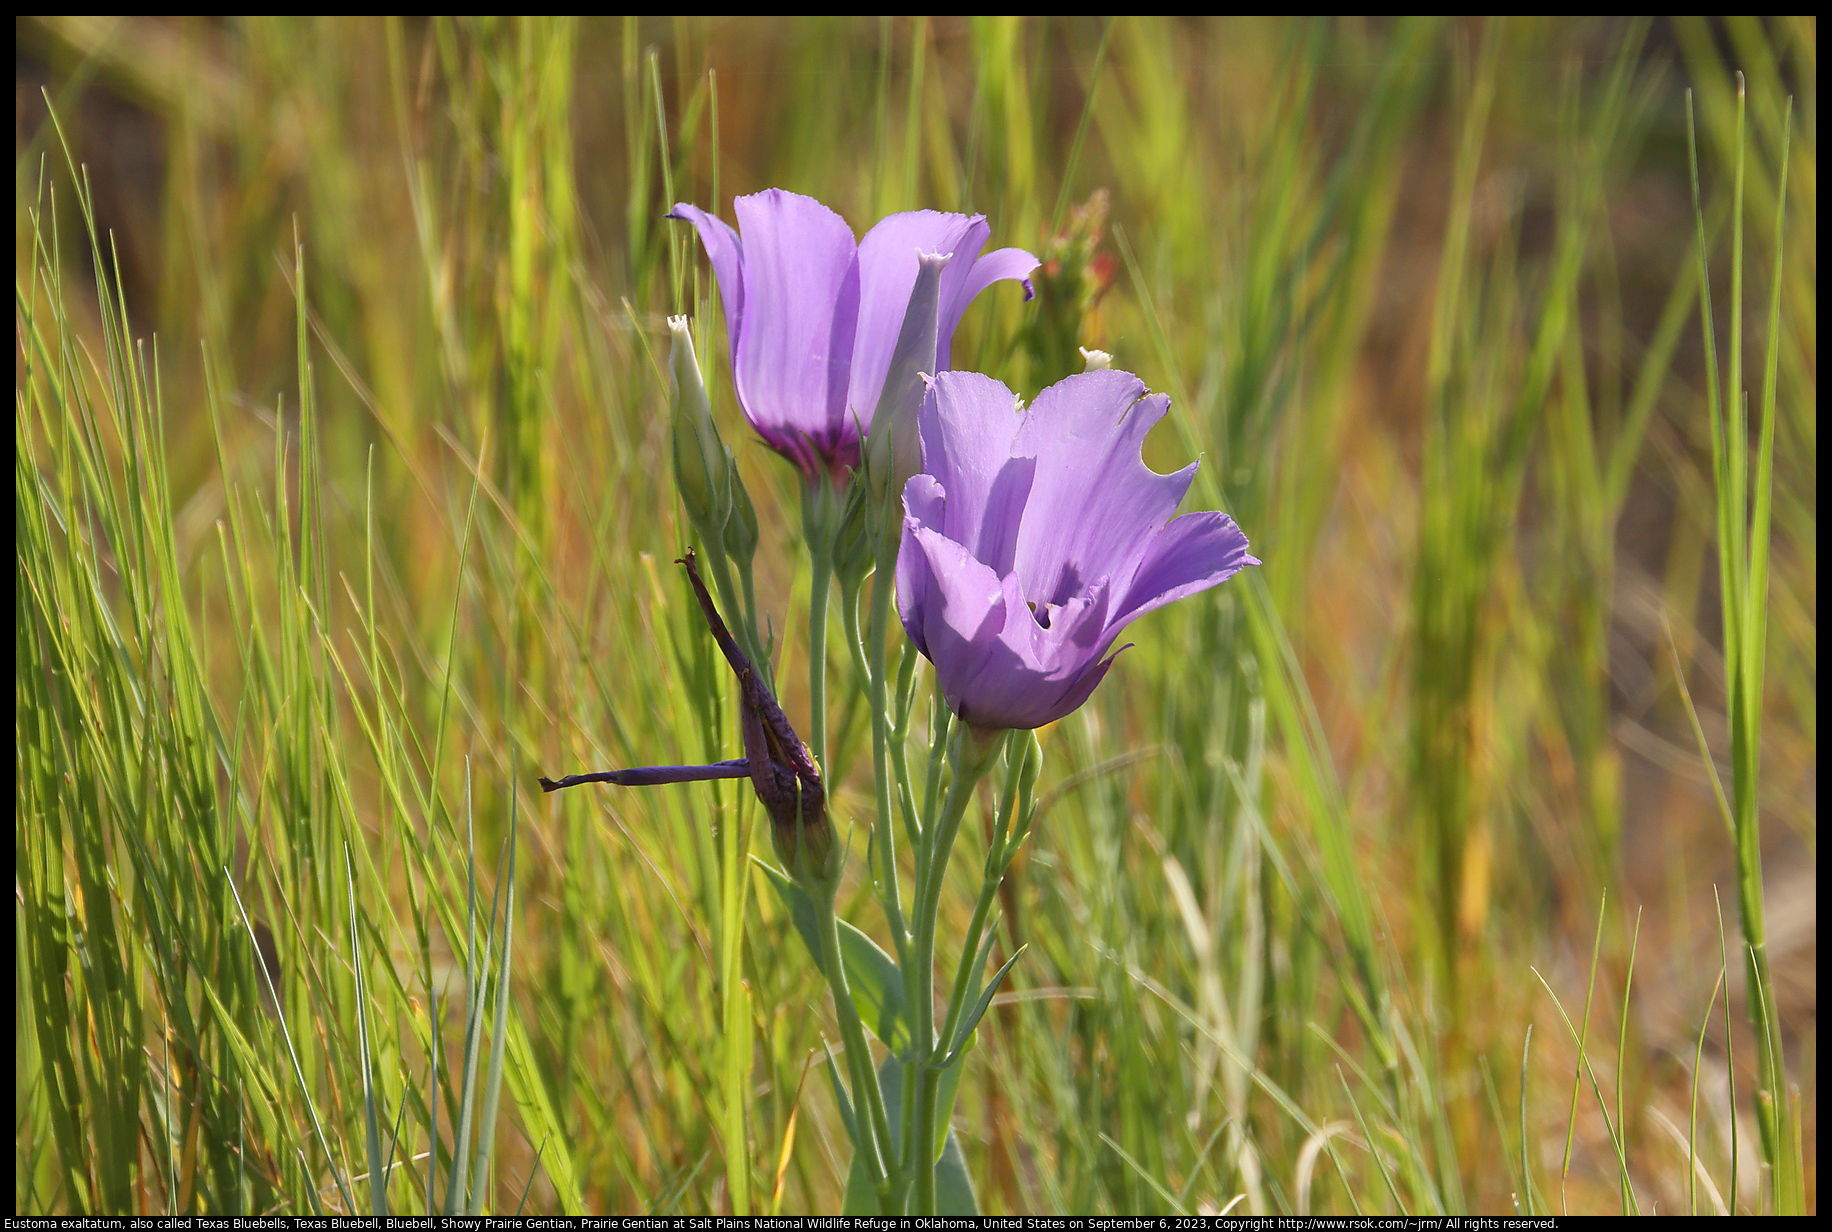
<point x="1034" y="535"/>
<point x="813" y="317"/>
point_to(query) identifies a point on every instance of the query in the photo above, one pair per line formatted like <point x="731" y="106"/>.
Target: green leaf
<point x="873" y="976"/>
<point x="953" y="1187"/>
<point x="972" y="1019"/>
<point x="839" y="1094"/>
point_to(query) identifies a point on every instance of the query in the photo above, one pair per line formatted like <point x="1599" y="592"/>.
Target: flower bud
<point x="741" y="523"/>
<point x="699" y="454"/>
<point x="1075" y="273"/>
<point x="705" y="473"/>
<point x="782" y="771"/>
<point x="855" y="540"/>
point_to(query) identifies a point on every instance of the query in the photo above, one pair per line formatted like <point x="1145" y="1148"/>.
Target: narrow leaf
<point x="972" y="1020"/>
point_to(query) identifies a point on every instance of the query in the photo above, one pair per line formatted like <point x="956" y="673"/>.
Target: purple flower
<point x="1035" y="535"/>
<point x="813" y="317"/>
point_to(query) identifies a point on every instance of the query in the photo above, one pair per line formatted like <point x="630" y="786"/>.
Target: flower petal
<point x="726" y="252"/>
<point x="1077" y="626"/>
<point x="923" y="502"/>
<point x="975" y="276"/>
<point x="792" y="358"/>
<point x="968" y="424"/>
<point x="1193" y="553"/>
<point x="1094" y="504"/>
<point x="887" y="272"/>
<point x="1034" y="675"/>
<point x="1012" y="684"/>
<point x="893" y="443"/>
<point x="1083" y="688"/>
<point x="962" y="608"/>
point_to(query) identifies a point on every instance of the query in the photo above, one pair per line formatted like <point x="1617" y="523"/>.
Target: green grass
<point x="1385" y="878"/>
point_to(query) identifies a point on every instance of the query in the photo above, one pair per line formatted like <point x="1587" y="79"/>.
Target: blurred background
<point x="388" y="400"/>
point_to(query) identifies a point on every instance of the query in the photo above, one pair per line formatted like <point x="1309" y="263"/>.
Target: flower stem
<point x="820" y="519"/>
<point x="873" y="1125"/>
<point x="734" y="1000"/>
<point x="971" y="753"/>
<point x="884" y="841"/>
<point x="900" y="730"/>
<point x="821" y="558"/>
<point x="998" y="859"/>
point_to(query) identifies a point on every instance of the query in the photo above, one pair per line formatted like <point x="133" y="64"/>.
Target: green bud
<point x="703" y="468"/>
<point x="705" y="473"/>
<point x="855" y="541"/>
<point x="741" y="524"/>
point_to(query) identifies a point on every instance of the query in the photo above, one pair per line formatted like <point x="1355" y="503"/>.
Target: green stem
<point x="884" y="841"/>
<point x="870" y="1117"/>
<point x="972" y="752"/>
<point x="849" y="629"/>
<point x="997" y="860"/>
<point x="820" y="554"/>
<point x="736" y="1017"/>
<point x="820" y="520"/>
<point x="868" y="1100"/>
<point x="885" y="750"/>
<point x="750" y="613"/>
<point x="733" y="842"/>
<point x="918" y="965"/>
<point x="900" y="730"/>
